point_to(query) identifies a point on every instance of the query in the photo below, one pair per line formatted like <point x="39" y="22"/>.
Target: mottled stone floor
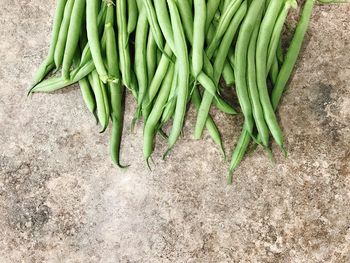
<point x="61" y="199"/>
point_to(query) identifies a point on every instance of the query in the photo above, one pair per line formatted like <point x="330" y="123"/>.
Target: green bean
<point x="62" y="36"/>
<point x="100" y="95"/>
<point x="169" y="108"/>
<point x="239" y="151"/>
<point x="274" y="70"/>
<point x="209" y="124"/>
<point x="265" y="32"/>
<point x="87" y="95"/>
<point x="199" y="36"/>
<point x="212" y="7"/>
<point x="182" y="57"/>
<point x="164" y="22"/>
<point x="73" y="36"/>
<point x="240" y="68"/>
<point x="224" y="23"/>
<point x="279" y="52"/>
<point x="156" y="113"/>
<point x="153" y="22"/>
<point x="48" y="64"/>
<point x="132" y="16"/>
<point x="228" y="74"/>
<point x="125" y="63"/>
<point x="160" y="73"/>
<point x="276" y="33"/>
<point x="253" y="89"/>
<point x="186" y="15"/>
<point x="151" y="55"/>
<point x="115" y="87"/>
<point x="140" y="55"/>
<point x="223" y="106"/>
<point x="292" y="53"/>
<point x="93" y="38"/>
<point x="85" y="88"/>
<point x="86" y="54"/>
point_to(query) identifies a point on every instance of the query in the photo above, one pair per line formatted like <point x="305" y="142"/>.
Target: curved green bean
<point x="93" y="38"/>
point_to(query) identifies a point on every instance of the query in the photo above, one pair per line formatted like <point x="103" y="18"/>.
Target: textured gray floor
<point x="61" y="199"/>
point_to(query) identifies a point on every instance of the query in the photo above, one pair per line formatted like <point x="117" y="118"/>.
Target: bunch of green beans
<point x="173" y="53"/>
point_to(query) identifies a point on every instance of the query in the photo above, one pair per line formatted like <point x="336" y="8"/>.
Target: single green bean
<point x="86" y="54"/>
<point x="93" y="38"/>
<point x="239" y="152"/>
<point x="164" y="22"/>
<point x="100" y="95"/>
<point x="228" y="74"/>
<point x="123" y="47"/>
<point x="151" y="57"/>
<point x="182" y="57"/>
<point x="141" y="55"/>
<point x="292" y="53"/>
<point x="159" y="74"/>
<point x="198" y="37"/>
<point x="132" y="16"/>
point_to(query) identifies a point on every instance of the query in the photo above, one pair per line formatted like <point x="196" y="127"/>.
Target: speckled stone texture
<point x="61" y="199"/>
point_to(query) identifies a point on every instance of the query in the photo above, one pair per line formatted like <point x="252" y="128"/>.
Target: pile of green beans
<point x="170" y="54"/>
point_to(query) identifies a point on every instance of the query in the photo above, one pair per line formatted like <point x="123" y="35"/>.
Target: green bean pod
<point x="239" y="152"/>
<point x="73" y="36"/>
<point x="62" y="36"/>
<point x="228" y="74"/>
<point x="100" y="95"/>
<point x="141" y="55"/>
<point x="199" y="36"/>
<point x="151" y="57"/>
<point x="164" y="22"/>
<point x="93" y="38"/>
<point x="132" y="16"/>
<point x="182" y="57"/>
<point x="292" y="53"/>
<point x="123" y="47"/>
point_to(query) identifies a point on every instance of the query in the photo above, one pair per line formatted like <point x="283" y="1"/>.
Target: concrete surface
<point x="61" y="199"/>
